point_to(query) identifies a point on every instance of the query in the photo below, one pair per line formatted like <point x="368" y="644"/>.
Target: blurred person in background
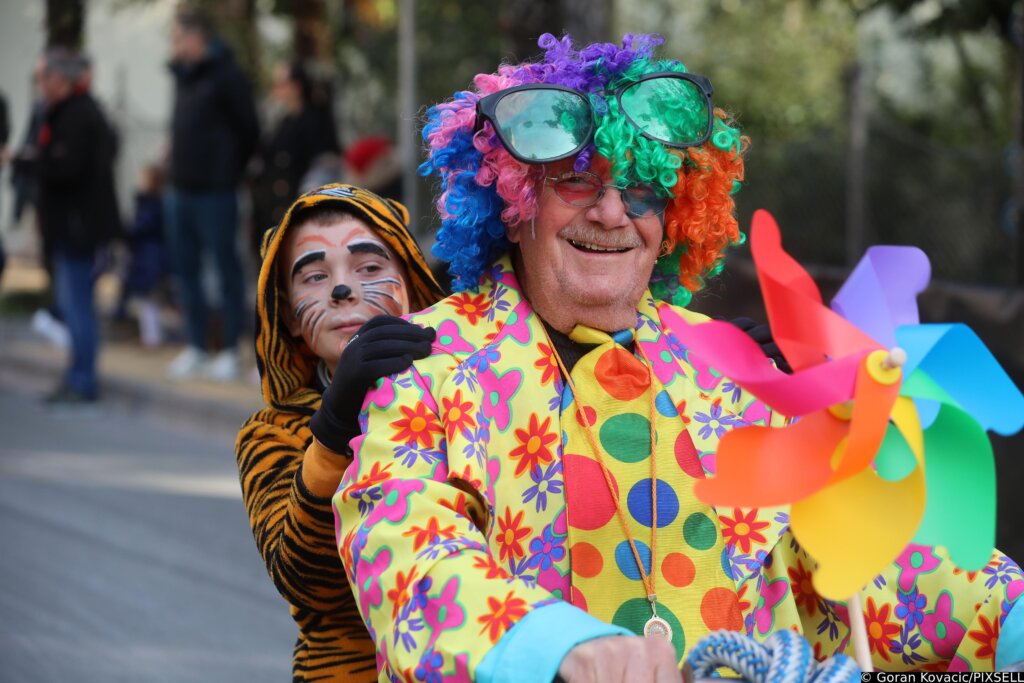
<point x="77" y="208"/>
<point x="340" y="257"/>
<point x="302" y="134"/>
<point x="373" y="162"/>
<point x="214" y="132"/>
<point x="47" y="321"/>
<point x="147" y="262"/>
<point x="5" y="132"/>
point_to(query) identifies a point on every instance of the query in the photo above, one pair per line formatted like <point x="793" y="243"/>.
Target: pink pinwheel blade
<point x="733" y="353"/>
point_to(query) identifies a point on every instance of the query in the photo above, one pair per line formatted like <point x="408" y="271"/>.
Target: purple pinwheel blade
<point x="881" y="292"/>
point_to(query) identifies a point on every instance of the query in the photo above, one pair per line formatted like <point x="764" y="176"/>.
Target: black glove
<point x="762" y="334"/>
<point x="383" y="346"/>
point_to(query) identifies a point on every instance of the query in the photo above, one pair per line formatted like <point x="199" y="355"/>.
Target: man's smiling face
<point x="338" y="276"/>
<point x="586" y="265"/>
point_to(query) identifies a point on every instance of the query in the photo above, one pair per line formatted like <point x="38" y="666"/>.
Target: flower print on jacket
<point x="501" y="614"/>
<point x="511" y="533"/>
<point x="417" y="426"/>
<point x="803" y="590"/>
<point x="911" y="607"/>
<point x="535" y="443"/>
<point x="545" y="481"/>
<point x="546" y="549"/>
<point x="881" y="630"/>
<point x="987" y="636"/>
<point x="457" y="415"/>
<point x="716" y="421"/>
<point x="741" y="529"/>
<point x="470" y="307"/>
<point x="940" y="629"/>
<point x="906" y="646"/>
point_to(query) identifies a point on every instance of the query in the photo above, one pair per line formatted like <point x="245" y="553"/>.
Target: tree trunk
<point x="856" y="165"/>
<point x="1018" y="185"/>
<point x="407" y="141"/>
<point x="523" y="21"/>
<point x="588" y="21"/>
<point x="310" y="34"/>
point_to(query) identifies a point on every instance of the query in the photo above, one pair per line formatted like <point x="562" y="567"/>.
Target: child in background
<point x="147" y="261"/>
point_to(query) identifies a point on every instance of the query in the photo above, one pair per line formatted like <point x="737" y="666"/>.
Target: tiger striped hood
<point x="287" y="367"/>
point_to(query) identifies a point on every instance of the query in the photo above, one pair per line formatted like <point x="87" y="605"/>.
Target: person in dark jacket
<point x="301" y="135"/>
<point x="78" y="209"/>
<point x="214" y="131"/>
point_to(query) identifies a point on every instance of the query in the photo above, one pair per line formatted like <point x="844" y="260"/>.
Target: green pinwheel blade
<point x="960" y="475"/>
<point x="895" y="460"/>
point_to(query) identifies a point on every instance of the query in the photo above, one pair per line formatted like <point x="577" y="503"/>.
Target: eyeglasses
<point x="540" y="123"/>
<point x="586" y="189"/>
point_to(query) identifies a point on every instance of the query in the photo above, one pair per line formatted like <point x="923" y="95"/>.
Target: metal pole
<point x="1018" y="189"/>
<point x="856" y="163"/>
<point x="407" y="144"/>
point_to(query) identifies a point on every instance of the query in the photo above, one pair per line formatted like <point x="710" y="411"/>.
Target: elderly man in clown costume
<point x="521" y="506"/>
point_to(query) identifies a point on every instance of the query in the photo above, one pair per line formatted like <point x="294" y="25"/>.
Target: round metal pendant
<point x="656" y="627"/>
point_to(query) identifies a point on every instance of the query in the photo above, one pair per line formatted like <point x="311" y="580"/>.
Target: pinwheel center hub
<point x="885" y="367"/>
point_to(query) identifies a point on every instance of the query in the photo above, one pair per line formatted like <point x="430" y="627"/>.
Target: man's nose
<point x="342" y="293"/>
<point x="609" y="210"/>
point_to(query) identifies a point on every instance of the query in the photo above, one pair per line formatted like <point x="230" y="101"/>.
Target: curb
<point x="165" y="403"/>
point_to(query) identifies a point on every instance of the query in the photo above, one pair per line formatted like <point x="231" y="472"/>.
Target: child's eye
<point x="315" y="277"/>
<point x="371" y="268"/>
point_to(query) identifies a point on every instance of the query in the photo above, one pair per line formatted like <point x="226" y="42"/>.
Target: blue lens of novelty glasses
<point x="539" y="123"/>
<point x="672" y="108"/>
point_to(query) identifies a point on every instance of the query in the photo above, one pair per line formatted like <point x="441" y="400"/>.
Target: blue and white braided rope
<point x="784" y="657"/>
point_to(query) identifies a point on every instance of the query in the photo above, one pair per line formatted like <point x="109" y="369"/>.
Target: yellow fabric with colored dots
<point x="613" y="396"/>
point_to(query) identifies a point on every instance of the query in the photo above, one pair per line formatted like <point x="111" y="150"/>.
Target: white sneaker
<point x="51" y="329"/>
<point x="189" y="363"/>
<point x="223" y="367"/>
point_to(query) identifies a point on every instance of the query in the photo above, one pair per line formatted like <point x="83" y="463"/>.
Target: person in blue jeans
<point x="214" y="131"/>
<point x="78" y="209"/>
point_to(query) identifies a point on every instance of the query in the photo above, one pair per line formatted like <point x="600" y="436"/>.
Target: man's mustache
<point x="609" y="239"/>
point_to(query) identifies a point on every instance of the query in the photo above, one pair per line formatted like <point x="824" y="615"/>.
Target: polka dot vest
<point x="613" y="386"/>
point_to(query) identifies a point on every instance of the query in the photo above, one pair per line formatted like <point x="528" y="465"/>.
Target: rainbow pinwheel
<point x="888" y="409"/>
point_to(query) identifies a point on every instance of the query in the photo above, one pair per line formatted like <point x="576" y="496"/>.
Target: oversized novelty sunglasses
<point x="540" y="123"/>
<point x="585" y="189"/>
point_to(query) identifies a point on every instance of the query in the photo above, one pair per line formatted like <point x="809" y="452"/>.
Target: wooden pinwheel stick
<point x="858" y="627"/>
<point x="859" y="631"/>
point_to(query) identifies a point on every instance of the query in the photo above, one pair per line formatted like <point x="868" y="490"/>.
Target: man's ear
<point x="514" y="233"/>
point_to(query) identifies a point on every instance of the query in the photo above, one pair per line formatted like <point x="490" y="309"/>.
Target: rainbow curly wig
<point x="483" y="187"/>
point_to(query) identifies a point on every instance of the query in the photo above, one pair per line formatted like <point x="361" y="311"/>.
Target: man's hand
<point x="383" y="346"/>
<point x="621" y="659"/>
<point x="762" y="334"/>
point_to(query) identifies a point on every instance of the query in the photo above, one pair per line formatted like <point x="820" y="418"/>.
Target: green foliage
<point x="776" y="64"/>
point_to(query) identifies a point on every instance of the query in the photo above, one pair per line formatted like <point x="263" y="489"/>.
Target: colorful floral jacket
<point x="451" y="532"/>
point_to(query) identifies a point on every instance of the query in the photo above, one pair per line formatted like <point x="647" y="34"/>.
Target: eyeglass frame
<point x="486" y="106"/>
<point x="601" y="193"/>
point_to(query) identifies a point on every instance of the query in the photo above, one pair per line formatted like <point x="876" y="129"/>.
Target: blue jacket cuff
<point x="534" y="647"/>
<point x="1010" y="648"/>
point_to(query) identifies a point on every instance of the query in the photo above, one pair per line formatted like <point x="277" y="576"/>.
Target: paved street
<point x="125" y="553"/>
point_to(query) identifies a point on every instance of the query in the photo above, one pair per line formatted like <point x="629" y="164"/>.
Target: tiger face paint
<point x="337" y="277"/>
